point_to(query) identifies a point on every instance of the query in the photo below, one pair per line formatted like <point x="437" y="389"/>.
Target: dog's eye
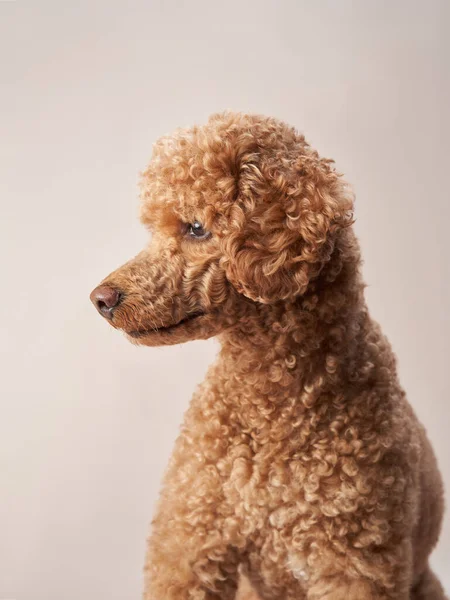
<point x="197" y="231"/>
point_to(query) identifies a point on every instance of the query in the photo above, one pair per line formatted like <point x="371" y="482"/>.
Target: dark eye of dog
<point x="197" y="231"/>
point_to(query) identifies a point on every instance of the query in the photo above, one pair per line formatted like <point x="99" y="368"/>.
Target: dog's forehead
<point x="188" y="191"/>
<point x="190" y="180"/>
<point x="188" y="202"/>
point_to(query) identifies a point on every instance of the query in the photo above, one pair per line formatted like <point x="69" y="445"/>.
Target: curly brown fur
<point x="300" y="463"/>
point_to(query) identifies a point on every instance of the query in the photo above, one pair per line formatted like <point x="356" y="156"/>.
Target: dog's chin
<point x="195" y="327"/>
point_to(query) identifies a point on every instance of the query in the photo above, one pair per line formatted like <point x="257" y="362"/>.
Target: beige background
<point x="87" y="420"/>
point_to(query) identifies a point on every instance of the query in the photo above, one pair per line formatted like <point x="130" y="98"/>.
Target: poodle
<point x="300" y="465"/>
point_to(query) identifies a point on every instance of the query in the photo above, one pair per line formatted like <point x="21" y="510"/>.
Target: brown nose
<point x="105" y="300"/>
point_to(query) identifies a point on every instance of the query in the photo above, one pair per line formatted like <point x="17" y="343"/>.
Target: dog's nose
<point x="105" y="300"/>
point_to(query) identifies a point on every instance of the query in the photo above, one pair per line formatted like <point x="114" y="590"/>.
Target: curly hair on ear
<point x="289" y="208"/>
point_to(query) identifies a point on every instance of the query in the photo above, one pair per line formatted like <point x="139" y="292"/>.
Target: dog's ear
<point x="282" y="227"/>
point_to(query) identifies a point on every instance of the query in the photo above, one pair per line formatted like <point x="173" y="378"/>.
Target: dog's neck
<point x="293" y="345"/>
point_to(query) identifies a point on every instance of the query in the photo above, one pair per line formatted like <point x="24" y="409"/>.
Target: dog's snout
<point x="105" y="300"/>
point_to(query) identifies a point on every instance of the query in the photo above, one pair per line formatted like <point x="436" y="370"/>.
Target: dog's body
<point x="300" y="462"/>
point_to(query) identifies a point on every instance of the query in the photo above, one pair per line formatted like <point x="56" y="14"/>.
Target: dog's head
<point x="243" y="213"/>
